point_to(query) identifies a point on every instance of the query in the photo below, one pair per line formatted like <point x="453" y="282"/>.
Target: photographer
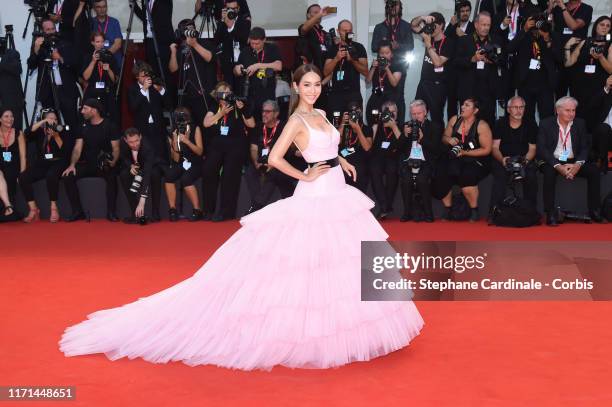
<point x="259" y="64"/>
<point x="355" y="144"/>
<point x="571" y="19"/>
<point x="183" y="56"/>
<point x="384" y="169"/>
<point x="419" y="147"/>
<point x="314" y="40"/>
<point x="101" y="74"/>
<point x="261" y="178"/>
<point x="51" y="157"/>
<point x="563" y="144"/>
<point x="601" y="106"/>
<point x="395" y="30"/>
<point x="110" y="27"/>
<point x="11" y="90"/>
<point x="139" y="167"/>
<point x="439" y="49"/>
<point x="228" y="122"/>
<point x="479" y="61"/>
<point x="514" y="142"/>
<point x="63" y="15"/>
<point x="591" y="60"/>
<point x="469" y="139"/>
<point x="161" y="14"/>
<point x="538" y="54"/>
<point x="385" y="76"/>
<point x="231" y="36"/>
<point x="95" y="154"/>
<point x="13" y="146"/>
<point x="57" y="57"/>
<point x="186" y="148"/>
<point x="220" y="7"/>
<point x="345" y="62"/>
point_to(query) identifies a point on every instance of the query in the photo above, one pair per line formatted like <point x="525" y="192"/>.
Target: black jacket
<point x="431" y="142"/>
<point x="548" y="137"/>
<point x="598" y="108"/>
<point x="146" y="160"/>
<point x="551" y="57"/>
<point x="224" y="40"/>
<point x="11" y="92"/>
<point x="69" y="70"/>
<point x="162" y="20"/>
<point x="142" y="108"/>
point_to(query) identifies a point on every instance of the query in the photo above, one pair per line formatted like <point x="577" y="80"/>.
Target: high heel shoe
<point x="33" y="215"/>
<point x="54" y="217"/>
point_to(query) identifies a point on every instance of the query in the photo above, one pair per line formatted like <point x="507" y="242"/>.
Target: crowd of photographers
<point x="228" y="105"/>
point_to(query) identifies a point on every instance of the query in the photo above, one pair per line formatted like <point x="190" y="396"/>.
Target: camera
<point x="58" y="128"/>
<point x="230" y="98"/>
<point x="155" y="79"/>
<point x="429" y="28"/>
<point x="232" y="13"/>
<point x="38" y="8"/>
<point x="455" y="150"/>
<point x="411" y="166"/>
<point x="415" y="126"/>
<point x="105" y="56"/>
<point x="598" y="44"/>
<point x="542" y="23"/>
<point x="336" y="118"/>
<point x="49" y="43"/>
<point x="136" y="183"/>
<point x="386" y="116"/>
<point x="492" y="52"/>
<point x="382" y="62"/>
<point x="355" y="116"/>
<point x="375" y="115"/>
<point x="180" y="122"/>
<point x="516" y="167"/>
<point x="104" y="160"/>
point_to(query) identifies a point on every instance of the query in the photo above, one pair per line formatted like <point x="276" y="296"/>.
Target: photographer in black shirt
<point x="231" y="36"/>
<point x="51" y="158"/>
<point x="95" y="154"/>
<point x="220" y="8"/>
<point x="394" y="29"/>
<point x="313" y="40"/>
<point x="355" y="144"/>
<point x="514" y="150"/>
<point x="101" y="74"/>
<point x="420" y="147"/>
<point x="385" y="76"/>
<point x="345" y="62"/>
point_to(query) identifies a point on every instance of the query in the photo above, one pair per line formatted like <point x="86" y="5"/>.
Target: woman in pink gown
<point x="283" y="290"/>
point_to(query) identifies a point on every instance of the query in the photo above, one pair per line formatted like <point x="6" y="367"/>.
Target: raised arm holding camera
<point x="355" y="144"/>
<point x="385" y="76"/>
<point x="314" y="40"/>
<point x="394" y="29"/>
<point x="101" y="74"/>
<point x="52" y="153"/>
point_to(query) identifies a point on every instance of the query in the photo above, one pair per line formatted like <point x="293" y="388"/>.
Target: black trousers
<point x="50" y="171"/>
<point x="362" y="167"/>
<point x="262" y="185"/>
<point x="11" y="174"/>
<point x="337" y="101"/>
<point x="602" y="141"/>
<point x="88" y="171"/>
<point x="384" y="172"/>
<point x="231" y="160"/>
<point x="588" y="171"/>
<point x="542" y="96"/>
<point x="501" y="180"/>
<point x="422" y="182"/>
<point x="176" y="173"/>
<point x="434" y="94"/>
<point x="126" y="182"/>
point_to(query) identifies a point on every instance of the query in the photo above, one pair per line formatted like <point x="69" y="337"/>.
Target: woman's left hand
<point x="350" y="170"/>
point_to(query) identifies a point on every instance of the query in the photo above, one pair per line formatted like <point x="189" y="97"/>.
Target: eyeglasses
<point x="268" y="111"/>
<point x="517" y="107"/>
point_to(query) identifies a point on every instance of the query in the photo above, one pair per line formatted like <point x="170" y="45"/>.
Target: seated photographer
<point x="220" y="8"/>
<point x="231" y="36"/>
<point x="420" y="147"/>
<point x="514" y="150"/>
<point x="601" y="105"/>
<point x="101" y="74"/>
<point x="439" y="49"/>
<point x="538" y="55"/>
<point x="395" y="30"/>
<point x="228" y="122"/>
<point x="192" y="50"/>
<point x="345" y="61"/>
<point x="139" y="166"/>
<point x="13" y="145"/>
<point x="563" y="144"/>
<point x="479" y="59"/>
<point x="260" y="177"/>
<point x="470" y="141"/>
<point x="95" y="154"/>
<point x="591" y="60"/>
<point x="258" y="64"/>
<point x="186" y="148"/>
<point x="355" y="144"/>
<point x="52" y="55"/>
<point x="384" y="161"/>
<point x="385" y="76"/>
<point x="52" y="154"/>
<point x="314" y="40"/>
<point x="110" y="27"/>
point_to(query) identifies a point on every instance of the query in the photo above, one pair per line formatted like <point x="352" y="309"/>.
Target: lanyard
<point x="100" y="71"/>
<point x="441" y="44"/>
<point x="105" y="26"/>
<point x="263" y="55"/>
<point x="381" y="78"/>
<point x="266" y="139"/>
<point x="59" y="7"/>
<point x="392" y="29"/>
<point x="462" y="132"/>
<point x="350" y="140"/>
<point x="564" y="136"/>
<point x="388" y="133"/>
<point x="6" y="138"/>
<point x="319" y="34"/>
<point x="535" y="48"/>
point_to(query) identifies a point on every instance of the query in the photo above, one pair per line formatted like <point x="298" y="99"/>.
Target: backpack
<point x="515" y="212"/>
<point x="460" y="209"/>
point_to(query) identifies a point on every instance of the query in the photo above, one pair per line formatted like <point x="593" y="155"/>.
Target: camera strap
<point x="319" y="33"/>
<point x="267" y="140"/>
<point x="105" y="25"/>
<point x="5" y="139"/>
<point x="393" y="29"/>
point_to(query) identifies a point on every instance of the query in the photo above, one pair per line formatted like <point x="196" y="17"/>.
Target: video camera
<point x="6" y="41"/>
<point x="38" y="8"/>
<point x="230" y="98"/>
<point x="516" y="167"/>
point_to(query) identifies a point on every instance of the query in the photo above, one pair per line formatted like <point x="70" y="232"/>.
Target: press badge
<point x="534" y="64"/>
<point x="100" y="85"/>
<point x="564" y="156"/>
<point x="589" y="69"/>
<point x="186" y="165"/>
<point x="340" y="75"/>
<point x="417" y="152"/>
<point x="439" y="69"/>
<point x="7" y="156"/>
<point x="385" y="144"/>
<point x="323" y="48"/>
<point x="224" y="130"/>
<point x="264" y="152"/>
<point x="567" y="31"/>
<point x="347" y="151"/>
<point x="106" y="44"/>
<point x="471" y="145"/>
<point x="480" y="65"/>
<point x="48" y="156"/>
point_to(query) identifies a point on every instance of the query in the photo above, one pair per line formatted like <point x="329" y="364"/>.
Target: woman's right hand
<point x="316" y="171"/>
<point x="227" y="109"/>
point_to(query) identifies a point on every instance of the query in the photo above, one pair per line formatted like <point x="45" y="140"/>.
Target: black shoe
<point x="130" y="220"/>
<point x="551" y="220"/>
<point x="445" y="214"/>
<point x="207" y="216"/>
<point x="428" y="219"/>
<point x="405" y="218"/>
<point x="218" y="218"/>
<point x="382" y="215"/>
<point x="474" y="215"/>
<point x="80" y="215"/>
<point x="112" y="217"/>
<point x="597" y="218"/>
<point x="172" y="215"/>
<point x="196" y="215"/>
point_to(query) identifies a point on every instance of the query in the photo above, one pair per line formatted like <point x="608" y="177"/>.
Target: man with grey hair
<point x="480" y="63"/>
<point x="262" y="179"/>
<point x="563" y="145"/>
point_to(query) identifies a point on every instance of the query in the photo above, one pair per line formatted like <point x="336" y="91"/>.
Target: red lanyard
<point x="100" y="70"/>
<point x="388" y="133"/>
<point x="6" y="138"/>
<point x="381" y="78"/>
<point x="441" y="44"/>
<point x="58" y="8"/>
<point x="535" y="48"/>
<point x="319" y="34"/>
<point x="263" y="55"/>
<point x="462" y="132"/>
<point x="105" y="26"/>
<point x="266" y="140"/>
<point x="351" y="141"/>
<point x="393" y="30"/>
<point x="564" y="136"/>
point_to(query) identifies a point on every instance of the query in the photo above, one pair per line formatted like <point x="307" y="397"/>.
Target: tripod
<point x="124" y="51"/>
<point x="208" y="23"/>
<point x="48" y="72"/>
<point x="9" y="44"/>
<point x="184" y="82"/>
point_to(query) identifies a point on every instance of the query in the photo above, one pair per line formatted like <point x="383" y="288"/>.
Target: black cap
<point x="94" y="103"/>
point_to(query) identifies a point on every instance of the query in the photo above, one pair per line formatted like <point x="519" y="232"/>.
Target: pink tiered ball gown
<point x="283" y="290"/>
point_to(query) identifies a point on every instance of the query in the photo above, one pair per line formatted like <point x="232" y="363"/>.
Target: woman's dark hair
<point x="438" y="18"/>
<point x="95" y="34"/>
<point x="385" y="43"/>
<point x="474" y="102"/>
<point x="298" y="74"/>
<point x="596" y="23"/>
<point x="184" y="112"/>
<point x="5" y="109"/>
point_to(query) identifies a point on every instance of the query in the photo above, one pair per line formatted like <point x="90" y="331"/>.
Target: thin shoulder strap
<point x="325" y="117"/>
<point x="304" y="120"/>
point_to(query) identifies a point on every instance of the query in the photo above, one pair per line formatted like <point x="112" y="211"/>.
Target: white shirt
<point x="149" y="30"/>
<point x="568" y="144"/>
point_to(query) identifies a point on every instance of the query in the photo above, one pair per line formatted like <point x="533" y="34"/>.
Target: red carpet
<point x="468" y="354"/>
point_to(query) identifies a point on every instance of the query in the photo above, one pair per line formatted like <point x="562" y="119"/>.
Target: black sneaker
<point x="474" y="215"/>
<point x="80" y="215"/>
<point x="112" y="217"/>
<point x="405" y="218"/>
<point x="196" y="215"/>
<point x="172" y="215"/>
